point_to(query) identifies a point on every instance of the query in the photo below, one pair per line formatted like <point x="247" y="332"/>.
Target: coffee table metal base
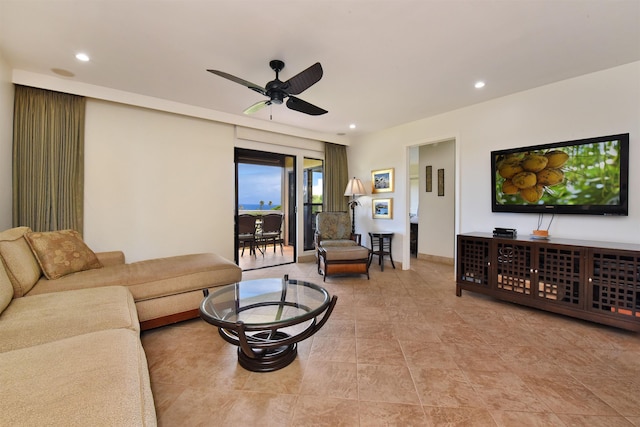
<point x="271" y="359"/>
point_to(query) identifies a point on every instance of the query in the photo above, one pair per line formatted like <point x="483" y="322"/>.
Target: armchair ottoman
<point x="343" y="260"/>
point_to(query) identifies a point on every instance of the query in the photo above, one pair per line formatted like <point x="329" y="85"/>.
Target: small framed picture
<point x="382" y="181"/>
<point x="429" y="182"/>
<point x="440" y="182"/>
<point x="382" y="208"/>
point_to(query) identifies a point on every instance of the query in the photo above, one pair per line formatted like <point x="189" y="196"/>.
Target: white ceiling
<point x="385" y="62"/>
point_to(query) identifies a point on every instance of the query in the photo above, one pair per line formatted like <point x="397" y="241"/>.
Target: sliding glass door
<point x="312" y="197"/>
<point x="265" y="186"/>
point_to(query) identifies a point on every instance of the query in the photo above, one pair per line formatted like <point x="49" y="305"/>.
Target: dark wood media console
<point x="596" y="281"/>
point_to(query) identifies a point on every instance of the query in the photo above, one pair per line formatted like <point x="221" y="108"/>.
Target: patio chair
<point x="247" y="233"/>
<point x="271" y="231"/>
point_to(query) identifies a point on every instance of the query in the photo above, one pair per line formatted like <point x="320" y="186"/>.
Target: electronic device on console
<point x="505" y="232"/>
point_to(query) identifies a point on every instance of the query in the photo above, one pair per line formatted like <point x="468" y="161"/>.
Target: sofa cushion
<point x="344" y="253"/>
<point x="96" y="379"/>
<point x="152" y="278"/>
<point x="334" y="225"/>
<point x="337" y="243"/>
<point x="107" y="259"/>
<point x="39" y="319"/>
<point x="61" y="252"/>
<point x="21" y="265"/>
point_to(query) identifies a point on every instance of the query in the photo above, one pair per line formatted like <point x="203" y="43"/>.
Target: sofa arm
<point x="108" y="259"/>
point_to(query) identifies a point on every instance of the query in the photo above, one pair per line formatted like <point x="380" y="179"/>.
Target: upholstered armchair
<point x="334" y="229"/>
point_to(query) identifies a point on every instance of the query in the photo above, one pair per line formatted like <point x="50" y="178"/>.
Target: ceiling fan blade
<point x="304" y="107"/>
<point x="304" y="80"/>
<point x="257" y="107"/>
<point x="238" y="80"/>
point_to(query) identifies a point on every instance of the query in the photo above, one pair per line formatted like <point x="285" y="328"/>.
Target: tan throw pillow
<point x="61" y="252"/>
<point x="18" y="260"/>
<point x="6" y="289"/>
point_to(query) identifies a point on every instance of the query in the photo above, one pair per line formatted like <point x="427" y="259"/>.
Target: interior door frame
<point x="406" y="251"/>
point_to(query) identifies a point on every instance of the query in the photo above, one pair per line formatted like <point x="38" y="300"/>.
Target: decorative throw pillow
<point x="61" y="252"/>
<point x="19" y="262"/>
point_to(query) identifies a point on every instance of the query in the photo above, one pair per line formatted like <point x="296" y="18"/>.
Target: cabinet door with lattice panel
<point x="473" y="262"/>
<point x="514" y="268"/>
<point x="559" y="277"/>
<point x="614" y="278"/>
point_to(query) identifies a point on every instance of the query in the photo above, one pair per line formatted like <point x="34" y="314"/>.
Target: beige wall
<point x="157" y="184"/>
<point x="602" y="103"/>
<point x="6" y="135"/>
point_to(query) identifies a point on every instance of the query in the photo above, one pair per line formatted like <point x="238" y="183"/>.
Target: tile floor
<point x="267" y="258"/>
<point x="402" y="350"/>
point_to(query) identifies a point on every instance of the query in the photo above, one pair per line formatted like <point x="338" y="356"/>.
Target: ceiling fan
<point x="278" y="90"/>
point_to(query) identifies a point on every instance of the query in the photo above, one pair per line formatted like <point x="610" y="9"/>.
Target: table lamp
<point x="354" y="188"/>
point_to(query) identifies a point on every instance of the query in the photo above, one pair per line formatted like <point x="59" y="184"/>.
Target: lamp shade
<point x="354" y="188"/>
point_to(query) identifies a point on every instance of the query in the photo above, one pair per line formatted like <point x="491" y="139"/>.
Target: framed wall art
<point x="382" y="208"/>
<point x="429" y="181"/>
<point x="440" y="182"/>
<point x="382" y="181"/>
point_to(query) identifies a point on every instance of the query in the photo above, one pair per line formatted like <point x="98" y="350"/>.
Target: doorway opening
<point x="266" y="196"/>
<point x="432" y="201"/>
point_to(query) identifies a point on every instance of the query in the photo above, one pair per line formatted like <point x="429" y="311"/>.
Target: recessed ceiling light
<point x="82" y="57"/>
<point x="479" y="85"/>
<point x="352" y="126"/>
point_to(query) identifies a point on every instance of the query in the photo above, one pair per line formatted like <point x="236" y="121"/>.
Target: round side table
<point x="381" y="246"/>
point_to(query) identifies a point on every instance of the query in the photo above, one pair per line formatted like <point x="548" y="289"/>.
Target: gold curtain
<point x="335" y="177"/>
<point x="48" y="160"/>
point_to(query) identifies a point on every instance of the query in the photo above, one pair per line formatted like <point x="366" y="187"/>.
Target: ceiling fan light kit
<point x="277" y="91"/>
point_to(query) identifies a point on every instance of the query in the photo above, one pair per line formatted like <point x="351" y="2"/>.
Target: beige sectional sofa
<point x="70" y="350"/>
<point x="165" y="290"/>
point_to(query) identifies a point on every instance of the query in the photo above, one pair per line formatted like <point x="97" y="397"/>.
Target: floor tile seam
<point x="292" y="412"/>
<point x="624" y="376"/>
<point x="594" y="391"/>
<point x="391" y="403"/>
<point x="494" y="413"/>
<point x="542" y="400"/>
<point x="359" y="398"/>
<point x="631" y="421"/>
<point x="466" y="372"/>
<point x="412" y="373"/>
<point x="412" y="376"/>
<point x="383" y="364"/>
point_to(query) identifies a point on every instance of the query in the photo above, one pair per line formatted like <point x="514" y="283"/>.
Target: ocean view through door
<point x="265" y="199"/>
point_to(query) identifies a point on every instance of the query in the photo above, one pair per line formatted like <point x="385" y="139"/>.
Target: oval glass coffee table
<point x="266" y="318"/>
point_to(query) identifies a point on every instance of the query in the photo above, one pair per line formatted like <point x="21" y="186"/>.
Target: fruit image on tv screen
<point x="584" y="174"/>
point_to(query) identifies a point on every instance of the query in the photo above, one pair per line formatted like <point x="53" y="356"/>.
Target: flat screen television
<point x="586" y="176"/>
